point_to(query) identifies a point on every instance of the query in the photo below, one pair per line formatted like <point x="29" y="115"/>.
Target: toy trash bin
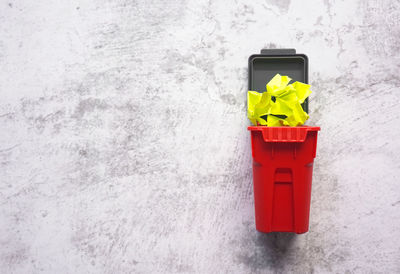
<point x="282" y="156"/>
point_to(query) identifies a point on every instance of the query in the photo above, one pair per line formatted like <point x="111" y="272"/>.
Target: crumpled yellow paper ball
<point x="280" y="99"/>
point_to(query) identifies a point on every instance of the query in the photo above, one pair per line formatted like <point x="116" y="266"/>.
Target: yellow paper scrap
<point x="257" y="107"/>
<point x="280" y="99"/>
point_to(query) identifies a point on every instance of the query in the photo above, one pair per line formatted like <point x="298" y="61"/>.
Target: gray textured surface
<point x="124" y="148"/>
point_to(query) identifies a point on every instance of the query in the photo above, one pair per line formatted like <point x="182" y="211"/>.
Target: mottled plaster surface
<point x="124" y="149"/>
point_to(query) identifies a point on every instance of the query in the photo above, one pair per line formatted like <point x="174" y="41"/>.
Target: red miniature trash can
<point x="282" y="173"/>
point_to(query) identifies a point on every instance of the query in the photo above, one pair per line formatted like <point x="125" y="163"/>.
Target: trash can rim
<point x="285" y="133"/>
<point x="307" y="128"/>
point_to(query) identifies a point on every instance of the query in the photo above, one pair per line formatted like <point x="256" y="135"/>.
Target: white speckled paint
<point x="124" y="149"/>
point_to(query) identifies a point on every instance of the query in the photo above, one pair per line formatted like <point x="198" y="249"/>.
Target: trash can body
<point x="282" y="174"/>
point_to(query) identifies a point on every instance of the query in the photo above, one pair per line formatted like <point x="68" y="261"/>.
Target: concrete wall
<point x="124" y="149"/>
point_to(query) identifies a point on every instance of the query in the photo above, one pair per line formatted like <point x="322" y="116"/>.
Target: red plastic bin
<point x="283" y="160"/>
